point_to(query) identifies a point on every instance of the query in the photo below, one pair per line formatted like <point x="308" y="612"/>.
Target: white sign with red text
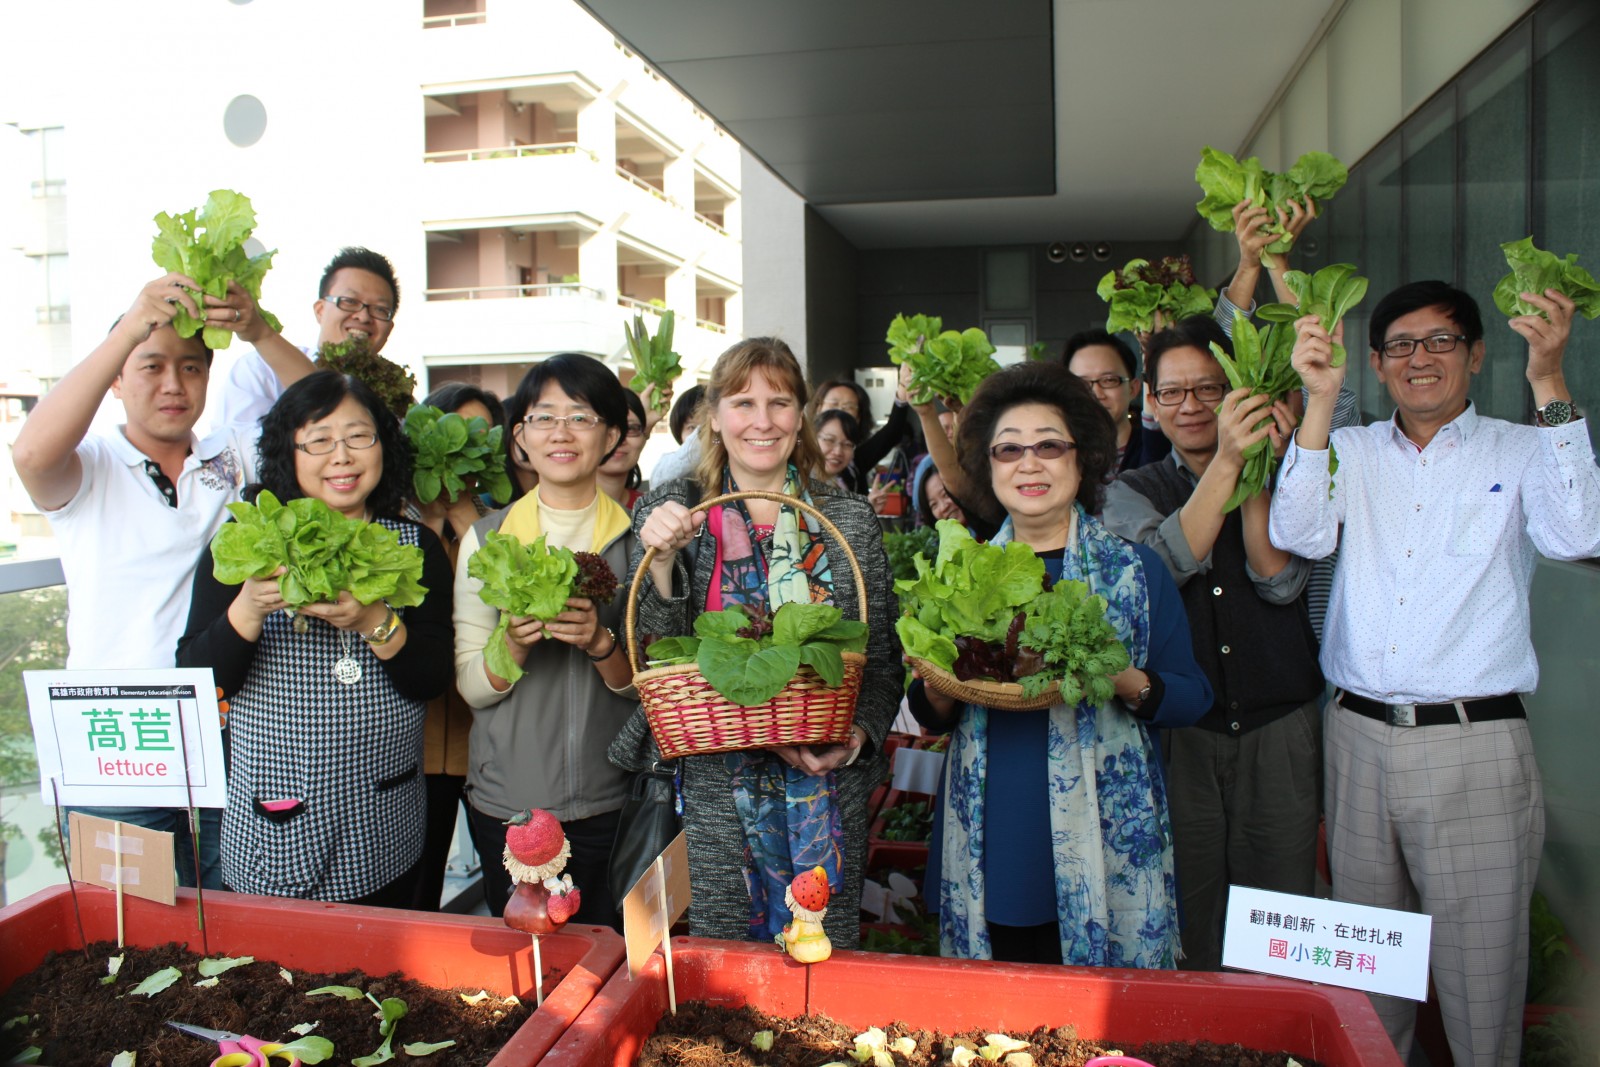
<point x="112" y="738"/>
<point x="1371" y="949"/>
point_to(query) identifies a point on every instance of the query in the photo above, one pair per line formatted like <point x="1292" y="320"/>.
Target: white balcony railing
<point x="502" y="292"/>
<point x="647" y="187"/>
<point x="465" y="18"/>
<point x="48" y="187"/>
<point x="707" y="222"/>
<point x="53" y="314"/>
<point x="641" y="305"/>
<point x="514" y="151"/>
<point x="714" y="327"/>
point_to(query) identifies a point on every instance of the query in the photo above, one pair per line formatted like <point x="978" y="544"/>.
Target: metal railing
<point x="502" y="292"/>
<point x="640" y="305"/>
<point x="515" y="151"/>
<point x="465" y="18"/>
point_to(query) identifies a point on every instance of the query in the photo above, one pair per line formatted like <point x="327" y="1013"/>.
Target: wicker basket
<point x="690" y="718"/>
<point x="1002" y="696"/>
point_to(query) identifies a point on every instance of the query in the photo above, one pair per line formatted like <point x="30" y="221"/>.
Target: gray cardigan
<point x="720" y="906"/>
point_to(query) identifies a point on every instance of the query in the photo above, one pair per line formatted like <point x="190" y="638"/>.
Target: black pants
<point x="591" y="841"/>
<point x="1026" y="944"/>
<point x="444" y="798"/>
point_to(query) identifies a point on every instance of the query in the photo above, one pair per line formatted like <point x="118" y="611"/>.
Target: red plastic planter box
<point x="440" y="950"/>
<point x="1334" y="1026"/>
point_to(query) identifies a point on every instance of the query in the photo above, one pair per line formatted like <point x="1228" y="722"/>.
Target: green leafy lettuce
<point x="969" y="590"/>
<point x="523" y="580"/>
<point x="1081" y="650"/>
<point x="208" y="246"/>
<point x="325" y="553"/>
<point x="1328" y="294"/>
<point x="904" y="547"/>
<point x="655" y="365"/>
<point x="455" y="455"/>
<point x="944" y="363"/>
<point x="1534" y="271"/>
<point x="395" y="386"/>
<point x="1141" y="289"/>
<point x="749" y="657"/>
<point x="392" y="1010"/>
<point x="1225" y="181"/>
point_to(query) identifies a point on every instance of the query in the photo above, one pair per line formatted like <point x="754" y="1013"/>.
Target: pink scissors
<point x="240" y="1050"/>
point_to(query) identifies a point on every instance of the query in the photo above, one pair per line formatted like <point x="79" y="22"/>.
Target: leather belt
<point x="1487" y="709"/>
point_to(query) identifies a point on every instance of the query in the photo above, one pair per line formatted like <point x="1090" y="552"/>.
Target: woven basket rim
<point x="653" y="673"/>
<point x="1002" y="696"/>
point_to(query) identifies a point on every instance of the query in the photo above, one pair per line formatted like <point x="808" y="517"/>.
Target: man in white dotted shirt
<point x="1433" y="798"/>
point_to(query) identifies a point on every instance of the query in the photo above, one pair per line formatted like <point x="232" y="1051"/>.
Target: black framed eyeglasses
<point x="1438" y="344"/>
<point x="1170" y="396"/>
<point x="1049" y="448"/>
<point x="1107" y="382"/>
<point x="634" y="430"/>
<point x="350" y="305"/>
<point x="322" y="446"/>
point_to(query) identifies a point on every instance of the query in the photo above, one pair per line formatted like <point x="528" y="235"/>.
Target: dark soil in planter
<point x="76" y="1020"/>
<point x="704" y="1035"/>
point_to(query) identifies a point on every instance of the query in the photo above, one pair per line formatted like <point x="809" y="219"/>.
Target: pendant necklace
<point x="345" y="668"/>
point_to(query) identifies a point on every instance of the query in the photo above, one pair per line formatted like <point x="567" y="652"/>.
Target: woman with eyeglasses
<point x="325" y="789"/>
<point x="620" y="478"/>
<point x="756" y="818"/>
<point x="1107" y="366"/>
<point x="836" y="436"/>
<point x="1064" y="853"/>
<point x="541" y="742"/>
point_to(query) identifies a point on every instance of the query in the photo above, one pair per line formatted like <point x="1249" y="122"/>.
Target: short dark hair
<point x="1090" y="338"/>
<point x="863" y="402"/>
<point x="453" y="396"/>
<point x="1196" y="331"/>
<point x="636" y="407"/>
<point x="847" y="422"/>
<point x="683" y="410"/>
<point x="1034" y="382"/>
<point x="311" y="398"/>
<point x="582" y="378"/>
<point x="360" y="259"/>
<point x="1462" y="309"/>
<point x="199" y="337"/>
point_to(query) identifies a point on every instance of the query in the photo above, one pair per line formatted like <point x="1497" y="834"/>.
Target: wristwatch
<point x="1139" y="698"/>
<point x="381" y="633"/>
<point x="1555" y="413"/>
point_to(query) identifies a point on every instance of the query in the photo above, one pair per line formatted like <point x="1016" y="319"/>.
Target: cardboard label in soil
<point x="119" y="738"/>
<point x="655" y="902"/>
<point x="106" y="853"/>
<point x="1375" y="950"/>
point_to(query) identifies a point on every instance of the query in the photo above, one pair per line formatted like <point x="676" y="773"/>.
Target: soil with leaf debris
<point x="707" y="1035"/>
<point x="75" y="1019"/>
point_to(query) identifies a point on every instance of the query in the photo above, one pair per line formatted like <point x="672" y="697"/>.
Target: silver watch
<point x="1556" y="413"/>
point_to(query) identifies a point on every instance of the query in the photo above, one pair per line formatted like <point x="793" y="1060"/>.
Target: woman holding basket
<point x="1066" y="856"/>
<point x="756" y="818"/>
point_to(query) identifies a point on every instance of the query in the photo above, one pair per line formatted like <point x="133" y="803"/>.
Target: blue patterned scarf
<point x="790" y="819"/>
<point x="1113" y="873"/>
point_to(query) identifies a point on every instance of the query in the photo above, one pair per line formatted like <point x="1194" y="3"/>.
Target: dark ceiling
<point x="862" y="101"/>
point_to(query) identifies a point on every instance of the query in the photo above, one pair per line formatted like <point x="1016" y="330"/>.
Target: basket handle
<point x="630" y="615"/>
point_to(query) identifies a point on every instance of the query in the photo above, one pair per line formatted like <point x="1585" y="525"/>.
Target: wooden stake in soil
<point x="194" y="832"/>
<point x="538" y="975"/>
<point x="666" y="937"/>
<point x="83" y="941"/>
<point x="116" y="865"/>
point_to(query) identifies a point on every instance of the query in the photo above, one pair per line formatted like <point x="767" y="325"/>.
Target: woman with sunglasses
<point x="540" y="742"/>
<point x="1065" y="854"/>
<point x="325" y="788"/>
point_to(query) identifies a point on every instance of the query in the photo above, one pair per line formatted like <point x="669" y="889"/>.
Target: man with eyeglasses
<point x="357" y="299"/>
<point x="1244" y="781"/>
<point x="1108" y="367"/>
<point x="1434" y="801"/>
<point x="131" y="509"/>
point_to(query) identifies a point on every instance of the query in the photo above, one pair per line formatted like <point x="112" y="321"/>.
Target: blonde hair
<point x="772" y="358"/>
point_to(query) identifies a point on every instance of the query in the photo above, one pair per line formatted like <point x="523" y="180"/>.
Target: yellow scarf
<point x="611" y="520"/>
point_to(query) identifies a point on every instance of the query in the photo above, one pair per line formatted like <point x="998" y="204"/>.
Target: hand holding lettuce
<point x="1226" y="181"/>
<point x="981" y="611"/>
<point x="944" y="363"/>
<point x="324" y="553"/>
<point x="532" y="581"/>
<point x="655" y="365"/>
<point x="1142" y="290"/>
<point x="453" y="455"/>
<point x="1534" y="271"/>
<point x="208" y="245"/>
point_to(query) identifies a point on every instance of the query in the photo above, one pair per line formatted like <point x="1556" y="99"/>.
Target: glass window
<point x="1008" y="279"/>
<point x="1494" y="210"/>
<point x="1428" y="140"/>
<point x="1380" y="198"/>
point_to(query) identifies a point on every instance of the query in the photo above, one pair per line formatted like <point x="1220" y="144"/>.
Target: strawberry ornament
<point x="807" y="898"/>
<point x="536" y="853"/>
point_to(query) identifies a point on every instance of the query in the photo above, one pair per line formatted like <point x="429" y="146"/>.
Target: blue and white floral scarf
<point x="1114" y="885"/>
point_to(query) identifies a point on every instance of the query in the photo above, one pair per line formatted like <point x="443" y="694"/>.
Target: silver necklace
<point x="345" y="669"/>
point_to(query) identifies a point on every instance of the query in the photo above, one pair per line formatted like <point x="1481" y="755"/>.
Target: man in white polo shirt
<point x="132" y="509"/>
<point x="1433" y="798"/>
